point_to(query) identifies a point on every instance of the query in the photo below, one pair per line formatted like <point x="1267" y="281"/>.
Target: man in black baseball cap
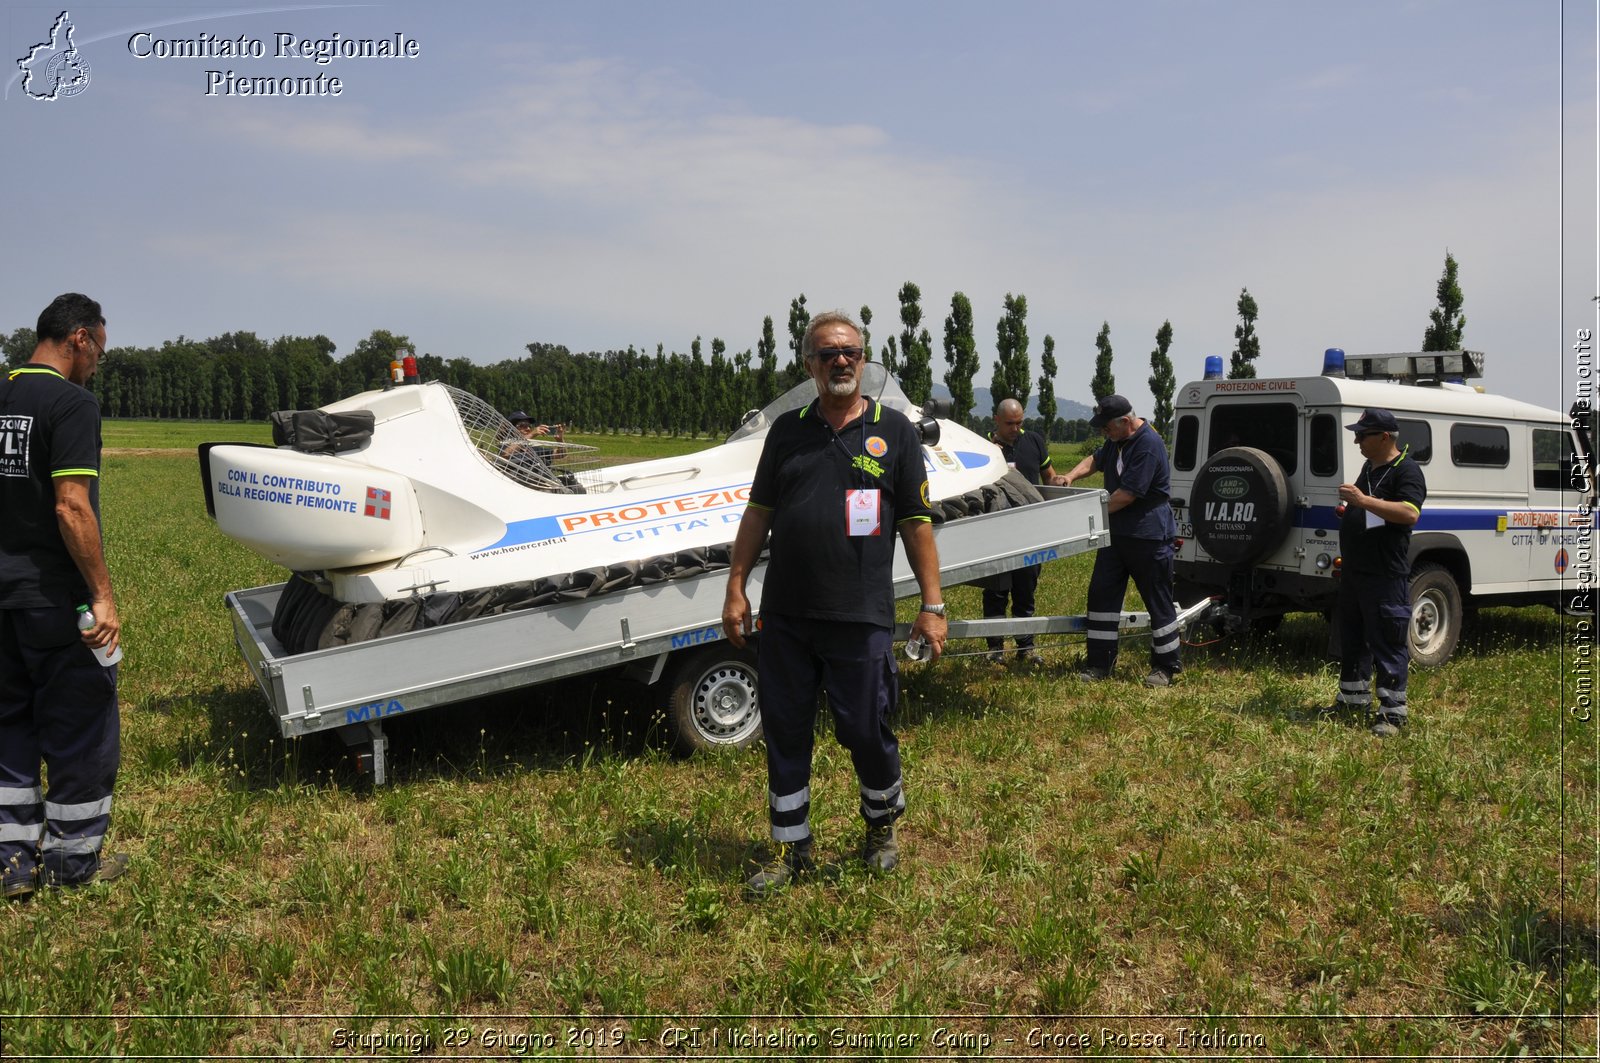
<point x="1374" y="611"/>
<point x="1375" y="421"/>
<point x="1137" y="476"/>
<point x="1109" y="409"/>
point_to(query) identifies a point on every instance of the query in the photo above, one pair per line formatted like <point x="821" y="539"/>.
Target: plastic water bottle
<point x="106" y="656"/>
<point x="916" y="648"/>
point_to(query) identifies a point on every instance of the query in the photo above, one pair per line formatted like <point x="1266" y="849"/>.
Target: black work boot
<point x="787" y="862"/>
<point x="881" y="850"/>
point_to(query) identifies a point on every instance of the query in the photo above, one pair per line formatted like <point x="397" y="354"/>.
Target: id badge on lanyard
<point x="862" y="511"/>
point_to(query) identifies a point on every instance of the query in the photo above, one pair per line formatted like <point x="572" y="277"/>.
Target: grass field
<point x="1211" y="870"/>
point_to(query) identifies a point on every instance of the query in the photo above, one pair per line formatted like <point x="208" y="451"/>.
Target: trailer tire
<point x="714" y="702"/>
<point x="1240" y="505"/>
<point x="1436" y="615"/>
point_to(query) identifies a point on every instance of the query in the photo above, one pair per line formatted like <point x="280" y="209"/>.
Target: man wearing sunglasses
<point x="837" y="480"/>
<point x="1374" y="610"/>
<point x="58" y="704"/>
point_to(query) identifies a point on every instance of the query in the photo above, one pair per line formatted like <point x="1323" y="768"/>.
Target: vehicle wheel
<point x="1240" y="505"/>
<point x="1436" y="615"/>
<point x="713" y="700"/>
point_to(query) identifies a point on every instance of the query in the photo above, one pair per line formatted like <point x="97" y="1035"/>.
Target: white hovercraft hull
<point x="426" y="505"/>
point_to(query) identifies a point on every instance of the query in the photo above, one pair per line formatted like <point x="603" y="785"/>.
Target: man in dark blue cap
<point x="1134" y="461"/>
<point x="1374" y="612"/>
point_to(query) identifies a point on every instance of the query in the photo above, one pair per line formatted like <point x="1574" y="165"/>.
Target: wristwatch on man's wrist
<point x="937" y="609"/>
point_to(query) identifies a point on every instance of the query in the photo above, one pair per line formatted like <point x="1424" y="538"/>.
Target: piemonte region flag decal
<point x="377" y="503"/>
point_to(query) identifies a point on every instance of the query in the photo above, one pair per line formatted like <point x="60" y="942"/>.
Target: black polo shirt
<point x="1029" y="455"/>
<point x="1384" y="550"/>
<point x="816" y="569"/>
<point x="49" y="427"/>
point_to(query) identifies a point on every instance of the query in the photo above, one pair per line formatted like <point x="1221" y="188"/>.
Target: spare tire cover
<point x="1240" y="505"/>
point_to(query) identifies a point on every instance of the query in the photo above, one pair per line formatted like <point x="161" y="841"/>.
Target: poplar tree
<point x="799" y="318"/>
<point x="1162" y="381"/>
<point x="1448" y="322"/>
<point x="1047" y="385"/>
<point x="1105" y="381"/>
<point x="866" y="333"/>
<point x="766" y="364"/>
<point x="961" y="356"/>
<point x="1011" y="378"/>
<point x="1247" y="345"/>
<point x="916" y="348"/>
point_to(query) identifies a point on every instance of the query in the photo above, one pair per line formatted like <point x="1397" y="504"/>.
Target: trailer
<point x="665" y="631"/>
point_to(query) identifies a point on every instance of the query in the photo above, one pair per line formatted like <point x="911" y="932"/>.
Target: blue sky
<point x="604" y="173"/>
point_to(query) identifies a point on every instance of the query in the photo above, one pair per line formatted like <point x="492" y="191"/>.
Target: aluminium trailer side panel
<point x="368" y="681"/>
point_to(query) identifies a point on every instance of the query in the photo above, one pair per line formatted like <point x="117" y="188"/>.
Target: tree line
<point x="705" y="391"/>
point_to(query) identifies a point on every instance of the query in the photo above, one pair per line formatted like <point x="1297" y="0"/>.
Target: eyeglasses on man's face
<point x="829" y="354"/>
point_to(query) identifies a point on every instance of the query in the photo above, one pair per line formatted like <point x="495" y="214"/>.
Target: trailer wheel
<point x="1436" y="615"/>
<point x="713" y="702"/>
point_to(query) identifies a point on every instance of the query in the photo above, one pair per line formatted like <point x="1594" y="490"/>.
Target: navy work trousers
<point x="58" y="706"/>
<point x="854" y="664"/>
<point x="1374" y="618"/>
<point x="1148" y="562"/>
<point x="1022" y="591"/>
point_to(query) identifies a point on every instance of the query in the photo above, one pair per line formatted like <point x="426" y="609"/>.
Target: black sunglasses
<point x="828" y="354"/>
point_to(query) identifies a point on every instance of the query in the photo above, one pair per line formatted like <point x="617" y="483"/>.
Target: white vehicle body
<point x="1510" y="502"/>
<point x="422" y="500"/>
<point x="428" y="503"/>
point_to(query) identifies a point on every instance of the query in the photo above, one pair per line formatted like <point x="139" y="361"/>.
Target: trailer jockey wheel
<point x="713" y="700"/>
<point x="1240" y="505"/>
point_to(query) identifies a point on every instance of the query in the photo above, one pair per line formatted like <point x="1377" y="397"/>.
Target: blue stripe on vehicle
<point x="1439" y="518"/>
<point x="528" y="531"/>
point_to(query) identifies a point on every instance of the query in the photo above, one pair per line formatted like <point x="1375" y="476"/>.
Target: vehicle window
<point x="1418" y="436"/>
<point x="1483" y="445"/>
<point x="1184" y="447"/>
<point x="1269" y="426"/>
<point x="1553" y="459"/>
<point x="1324" y="445"/>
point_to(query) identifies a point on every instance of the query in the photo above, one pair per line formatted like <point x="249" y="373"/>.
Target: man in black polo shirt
<point x="837" y="479"/>
<point x="1134" y="461"/>
<point x="58" y="704"/>
<point x="1374" y="613"/>
<point x="1029" y="454"/>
